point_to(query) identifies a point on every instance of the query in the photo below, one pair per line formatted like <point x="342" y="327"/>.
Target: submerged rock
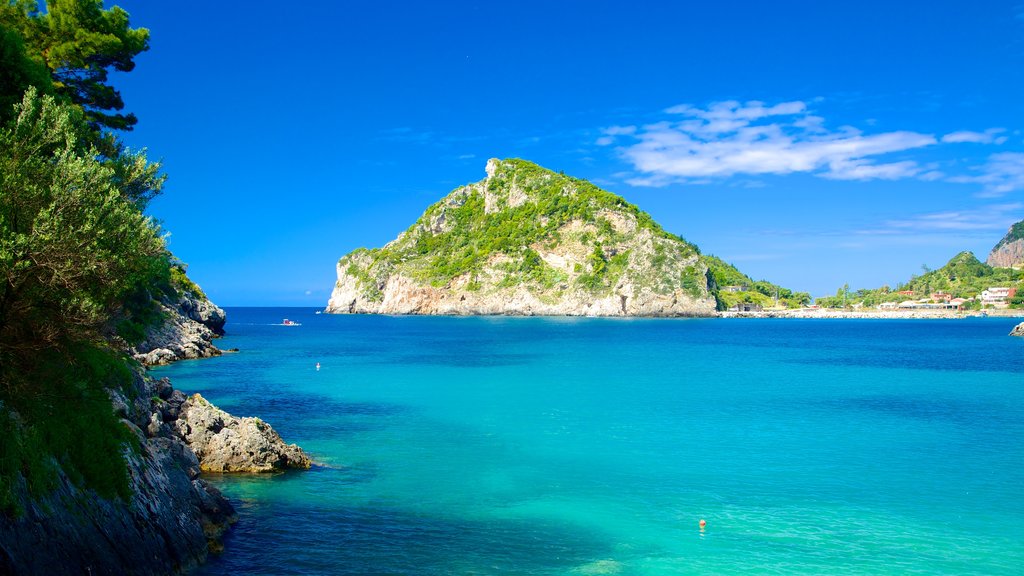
<point x="225" y="443"/>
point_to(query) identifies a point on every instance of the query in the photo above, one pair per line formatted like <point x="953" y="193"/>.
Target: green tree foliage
<point x="75" y="253"/>
<point x="760" y="292"/>
<point x="964" y="276"/>
<point x="17" y="72"/>
<point x="80" y="42"/>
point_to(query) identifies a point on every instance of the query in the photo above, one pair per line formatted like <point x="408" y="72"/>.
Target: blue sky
<point x="812" y="144"/>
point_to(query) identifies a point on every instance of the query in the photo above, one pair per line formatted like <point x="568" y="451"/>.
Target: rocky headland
<point x="1018" y="330"/>
<point x="173" y="518"/>
<point x="1009" y="251"/>
<point x="191" y="323"/>
<point x="528" y="241"/>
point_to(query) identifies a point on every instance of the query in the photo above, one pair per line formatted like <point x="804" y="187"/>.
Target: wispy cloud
<point x="1002" y="174"/>
<point x="993" y="218"/>
<point x="753" y="138"/>
<point x="990" y="136"/>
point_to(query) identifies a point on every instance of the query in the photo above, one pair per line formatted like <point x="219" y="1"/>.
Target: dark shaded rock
<point x="170" y="523"/>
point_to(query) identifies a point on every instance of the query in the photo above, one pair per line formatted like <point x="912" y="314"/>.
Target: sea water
<point x="595" y="446"/>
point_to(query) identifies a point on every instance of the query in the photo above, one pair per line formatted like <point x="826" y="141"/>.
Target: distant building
<point x="734" y="288"/>
<point x="746" y="307"/>
<point x="887" y="306"/>
<point x="997" y="295"/>
<point x="906" y="292"/>
<point x="942" y="297"/>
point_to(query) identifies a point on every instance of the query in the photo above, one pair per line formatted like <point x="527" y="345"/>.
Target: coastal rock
<point x="528" y="241"/>
<point x="1018" y="330"/>
<point x="1009" y="252"/>
<point x="224" y="443"/>
<point x="170" y="523"/>
<point x="191" y="322"/>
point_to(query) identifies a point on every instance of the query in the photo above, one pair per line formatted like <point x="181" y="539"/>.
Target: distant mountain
<point x="526" y="240"/>
<point x="1009" y="252"/>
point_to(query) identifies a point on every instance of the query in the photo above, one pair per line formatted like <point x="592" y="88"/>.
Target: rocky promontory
<point x="169" y="524"/>
<point x="528" y="241"/>
<point x="190" y="322"/>
<point x="172" y="518"/>
<point x="1018" y="330"/>
<point x="225" y="443"/>
<point x="1009" y="251"/>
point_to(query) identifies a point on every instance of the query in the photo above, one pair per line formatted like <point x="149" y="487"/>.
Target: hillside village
<point x="963" y="284"/>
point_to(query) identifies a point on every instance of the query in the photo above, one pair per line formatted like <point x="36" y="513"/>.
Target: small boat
<point x="287" y="322"/>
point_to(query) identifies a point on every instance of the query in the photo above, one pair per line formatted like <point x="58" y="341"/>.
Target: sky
<point x="812" y="144"/>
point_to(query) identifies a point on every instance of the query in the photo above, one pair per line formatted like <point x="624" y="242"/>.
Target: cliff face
<point x="168" y="525"/>
<point x="191" y="322"/>
<point x="527" y="241"/>
<point x="173" y="518"/>
<point x="1009" y="252"/>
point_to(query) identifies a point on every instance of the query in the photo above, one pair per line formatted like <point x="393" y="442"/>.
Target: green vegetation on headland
<point x="736" y="288"/>
<point x="461" y="234"/>
<point x="80" y="264"/>
<point x="964" y="276"/>
<point x="555" y="236"/>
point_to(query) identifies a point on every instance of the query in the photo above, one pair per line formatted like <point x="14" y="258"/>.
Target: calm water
<point x="562" y="446"/>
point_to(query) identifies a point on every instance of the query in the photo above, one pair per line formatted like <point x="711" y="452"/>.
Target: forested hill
<point x="527" y="240"/>
<point x="964" y="276"/>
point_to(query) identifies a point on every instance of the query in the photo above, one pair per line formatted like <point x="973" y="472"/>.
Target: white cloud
<point x="730" y="138"/>
<point x="994" y="217"/>
<point x="1002" y="174"/>
<point x="990" y="136"/>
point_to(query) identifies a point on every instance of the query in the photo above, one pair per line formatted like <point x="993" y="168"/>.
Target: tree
<point x="73" y="241"/>
<point x="79" y="42"/>
<point x="17" y="72"/>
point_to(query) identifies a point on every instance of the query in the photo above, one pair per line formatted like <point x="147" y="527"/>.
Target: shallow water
<point x="576" y="446"/>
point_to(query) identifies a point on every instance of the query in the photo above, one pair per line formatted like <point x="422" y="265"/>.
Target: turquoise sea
<point x="594" y="446"/>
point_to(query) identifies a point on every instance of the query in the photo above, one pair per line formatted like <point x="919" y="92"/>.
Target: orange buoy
<point x="702" y="523"/>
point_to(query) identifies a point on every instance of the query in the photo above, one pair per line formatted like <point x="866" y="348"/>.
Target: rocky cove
<point x="173" y="518"/>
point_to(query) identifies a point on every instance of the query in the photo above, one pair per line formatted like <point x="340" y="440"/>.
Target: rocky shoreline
<point x="173" y="518"/>
<point x="874" y="314"/>
<point x="191" y="324"/>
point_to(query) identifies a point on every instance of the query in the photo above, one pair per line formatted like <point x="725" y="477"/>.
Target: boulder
<point x="225" y="443"/>
<point x="1018" y="330"/>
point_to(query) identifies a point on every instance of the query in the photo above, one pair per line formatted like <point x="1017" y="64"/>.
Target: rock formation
<point x="1009" y="252"/>
<point x="224" y="443"/>
<point x="173" y="517"/>
<point x="169" y="524"/>
<point x="1018" y="330"/>
<point x="528" y="241"/>
<point x="190" y="324"/>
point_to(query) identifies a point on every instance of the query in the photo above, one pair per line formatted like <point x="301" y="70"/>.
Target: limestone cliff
<point x="189" y="323"/>
<point x="528" y="241"/>
<point x="1009" y="252"/>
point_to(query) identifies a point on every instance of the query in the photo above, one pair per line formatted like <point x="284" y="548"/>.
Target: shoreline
<point x="833" y="314"/>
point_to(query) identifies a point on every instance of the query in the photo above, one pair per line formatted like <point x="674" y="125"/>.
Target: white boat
<point x="287" y="322"/>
